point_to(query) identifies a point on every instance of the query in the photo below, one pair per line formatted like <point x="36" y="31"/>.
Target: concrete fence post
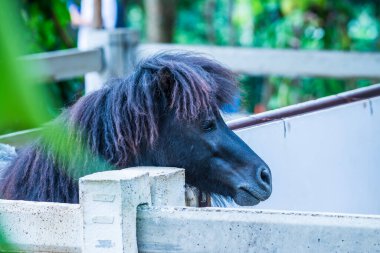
<point x="109" y="201"/>
<point x="167" y="185"/>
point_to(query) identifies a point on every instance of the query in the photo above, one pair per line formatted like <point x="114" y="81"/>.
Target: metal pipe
<point x="306" y="107"/>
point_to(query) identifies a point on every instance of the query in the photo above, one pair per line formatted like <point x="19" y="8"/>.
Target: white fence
<point x="115" y="53"/>
<point x="110" y="218"/>
<point x="105" y="219"/>
<point x="65" y="64"/>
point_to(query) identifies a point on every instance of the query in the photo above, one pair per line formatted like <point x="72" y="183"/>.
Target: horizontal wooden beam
<point x="21" y="137"/>
<point x="185" y="229"/>
<point x="64" y="64"/>
<point x="283" y="62"/>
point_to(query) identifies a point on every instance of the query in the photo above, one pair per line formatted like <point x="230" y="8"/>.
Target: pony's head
<point x="167" y="114"/>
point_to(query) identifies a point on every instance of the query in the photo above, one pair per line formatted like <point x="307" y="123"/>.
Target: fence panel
<point x="168" y="229"/>
<point x="41" y="226"/>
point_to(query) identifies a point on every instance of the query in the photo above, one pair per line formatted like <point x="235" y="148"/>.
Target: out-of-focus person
<point x="88" y="18"/>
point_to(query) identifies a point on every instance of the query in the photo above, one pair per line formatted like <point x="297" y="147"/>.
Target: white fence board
<point x="21" y="137"/>
<point x="65" y="64"/>
<point x="41" y="226"/>
<point x="327" y="160"/>
<point x="334" y="64"/>
<point x="246" y="230"/>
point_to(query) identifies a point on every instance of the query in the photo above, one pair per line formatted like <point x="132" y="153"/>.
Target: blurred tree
<point x="297" y="24"/>
<point x="46" y="24"/>
<point x="22" y="102"/>
<point x="209" y="12"/>
<point x="161" y="16"/>
<point x="314" y="24"/>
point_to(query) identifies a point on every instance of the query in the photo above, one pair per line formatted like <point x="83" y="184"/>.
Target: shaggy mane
<point x="107" y="128"/>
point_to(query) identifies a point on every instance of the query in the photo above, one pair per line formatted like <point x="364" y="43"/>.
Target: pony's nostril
<point x="265" y="176"/>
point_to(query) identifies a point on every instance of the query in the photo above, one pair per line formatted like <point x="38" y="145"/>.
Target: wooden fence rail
<point x="21" y="137"/>
<point x="115" y="52"/>
<point x="65" y="64"/>
<point x="281" y="62"/>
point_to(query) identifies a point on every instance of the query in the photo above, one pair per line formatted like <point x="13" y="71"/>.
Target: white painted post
<point x="109" y="201"/>
<point x="119" y="53"/>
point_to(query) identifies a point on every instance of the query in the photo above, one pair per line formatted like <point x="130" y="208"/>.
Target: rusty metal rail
<point x="306" y="107"/>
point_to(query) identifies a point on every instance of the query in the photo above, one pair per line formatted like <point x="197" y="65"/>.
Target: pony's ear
<point x="166" y="80"/>
<point x="166" y="84"/>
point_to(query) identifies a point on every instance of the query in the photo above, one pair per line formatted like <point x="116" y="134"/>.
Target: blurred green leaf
<point x="20" y="100"/>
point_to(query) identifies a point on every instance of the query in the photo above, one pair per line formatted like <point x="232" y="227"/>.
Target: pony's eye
<point x="209" y="125"/>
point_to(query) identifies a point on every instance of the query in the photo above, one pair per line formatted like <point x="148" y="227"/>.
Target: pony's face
<point x="215" y="158"/>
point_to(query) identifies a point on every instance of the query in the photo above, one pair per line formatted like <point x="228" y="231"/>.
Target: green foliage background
<point x="350" y="25"/>
<point x="298" y="24"/>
